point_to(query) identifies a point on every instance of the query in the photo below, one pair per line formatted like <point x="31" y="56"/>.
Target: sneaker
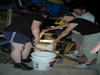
<point x="76" y="57"/>
<point x="69" y="55"/>
<point x="82" y="66"/>
<point x="73" y="56"/>
<point x="76" y="52"/>
<point x="22" y="66"/>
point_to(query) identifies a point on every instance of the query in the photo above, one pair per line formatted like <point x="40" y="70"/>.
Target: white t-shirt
<point x="88" y="16"/>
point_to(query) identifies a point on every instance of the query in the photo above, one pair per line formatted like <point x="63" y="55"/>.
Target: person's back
<point x="18" y="34"/>
<point x="23" y="24"/>
<point x="85" y="27"/>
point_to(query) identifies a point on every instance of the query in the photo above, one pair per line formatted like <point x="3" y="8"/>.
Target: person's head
<point x="66" y="17"/>
<point x="44" y="14"/>
<point x="80" y="10"/>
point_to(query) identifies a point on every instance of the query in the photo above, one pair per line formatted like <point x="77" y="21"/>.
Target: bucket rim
<point x="37" y="54"/>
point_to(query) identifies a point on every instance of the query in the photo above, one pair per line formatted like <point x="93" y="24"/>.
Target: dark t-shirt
<point x="85" y="27"/>
<point x="24" y="23"/>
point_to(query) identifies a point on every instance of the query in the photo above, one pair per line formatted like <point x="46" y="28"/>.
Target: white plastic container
<point x="42" y="60"/>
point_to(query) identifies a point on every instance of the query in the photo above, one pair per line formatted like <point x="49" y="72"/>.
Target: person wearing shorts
<point x="16" y="37"/>
<point x="18" y="34"/>
<point x="90" y="32"/>
<point x="80" y="12"/>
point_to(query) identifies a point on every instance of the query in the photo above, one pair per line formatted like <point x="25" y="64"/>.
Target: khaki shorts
<point x="89" y="42"/>
<point x="77" y="37"/>
<point x="98" y="63"/>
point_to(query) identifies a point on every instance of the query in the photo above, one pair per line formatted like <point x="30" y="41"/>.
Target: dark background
<point x="92" y="5"/>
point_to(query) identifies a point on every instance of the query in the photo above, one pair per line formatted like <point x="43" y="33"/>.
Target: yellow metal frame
<point x="61" y="22"/>
<point x="68" y="47"/>
<point x="56" y="1"/>
<point x="49" y="40"/>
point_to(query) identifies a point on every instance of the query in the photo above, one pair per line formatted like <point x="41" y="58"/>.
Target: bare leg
<point x="89" y="61"/>
<point x="26" y="51"/>
<point x="77" y="46"/>
<point x="86" y="65"/>
<point x="80" y="54"/>
<point x="16" y="52"/>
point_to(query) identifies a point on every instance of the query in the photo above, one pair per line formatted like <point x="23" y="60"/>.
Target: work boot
<point x="22" y="66"/>
<point x="26" y="60"/>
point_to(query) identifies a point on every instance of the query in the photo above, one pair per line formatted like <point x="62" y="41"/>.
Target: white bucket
<point x="43" y="60"/>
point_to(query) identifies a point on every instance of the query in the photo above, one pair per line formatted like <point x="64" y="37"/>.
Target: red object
<point x="24" y="10"/>
<point x="51" y="62"/>
<point x="43" y="7"/>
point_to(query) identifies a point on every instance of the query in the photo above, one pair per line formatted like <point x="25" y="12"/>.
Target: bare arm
<point x="57" y="27"/>
<point x="36" y="30"/>
<point x="67" y="31"/>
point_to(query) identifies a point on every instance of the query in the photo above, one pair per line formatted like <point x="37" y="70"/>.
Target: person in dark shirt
<point x="18" y="34"/>
<point x="90" y="32"/>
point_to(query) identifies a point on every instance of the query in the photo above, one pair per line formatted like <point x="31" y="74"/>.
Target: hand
<point x="44" y="30"/>
<point x="36" y="41"/>
<point x="94" y="51"/>
<point x="57" y="40"/>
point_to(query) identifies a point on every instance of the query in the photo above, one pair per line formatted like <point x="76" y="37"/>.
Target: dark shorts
<point x="16" y="37"/>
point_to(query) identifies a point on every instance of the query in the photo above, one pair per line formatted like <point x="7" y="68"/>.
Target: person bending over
<point x="18" y="34"/>
<point x="90" y="32"/>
